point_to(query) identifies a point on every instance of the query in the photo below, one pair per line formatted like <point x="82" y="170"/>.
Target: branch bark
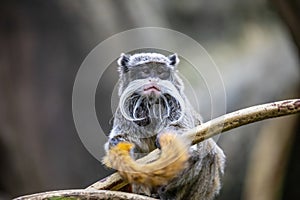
<point x="85" y="194"/>
<point x="212" y="128"/>
<point x="101" y="189"/>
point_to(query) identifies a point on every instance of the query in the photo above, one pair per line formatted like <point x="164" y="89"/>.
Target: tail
<point x="173" y="159"/>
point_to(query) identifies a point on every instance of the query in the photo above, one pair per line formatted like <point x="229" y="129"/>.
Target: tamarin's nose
<point x="152" y="79"/>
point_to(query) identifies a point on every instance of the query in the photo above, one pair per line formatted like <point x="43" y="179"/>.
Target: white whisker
<point x="160" y="109"/>
<point x="167" y="105"/>
<point x="138" y="103"/>
<point x="127" y="96"/>
<point x="170" y="104"/>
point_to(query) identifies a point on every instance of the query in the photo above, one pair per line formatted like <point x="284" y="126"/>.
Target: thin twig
<point x="215" y="127"/>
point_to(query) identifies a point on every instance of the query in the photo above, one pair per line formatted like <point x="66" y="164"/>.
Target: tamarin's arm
<point x="173" y="159"/>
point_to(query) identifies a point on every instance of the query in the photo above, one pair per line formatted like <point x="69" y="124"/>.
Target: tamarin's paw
<point x="118" y="150"/>
<point x="173" y="159"/>
<point x="115" y="140"/>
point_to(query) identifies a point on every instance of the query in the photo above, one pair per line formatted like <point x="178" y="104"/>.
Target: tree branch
<point x="212" y="128"/>
<point x="85" y="194"/>
<point x="101" y="189"/>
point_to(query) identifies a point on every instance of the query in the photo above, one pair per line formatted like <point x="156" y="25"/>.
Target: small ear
<point x="123" y="62"/>
<point x="174" y="60"/>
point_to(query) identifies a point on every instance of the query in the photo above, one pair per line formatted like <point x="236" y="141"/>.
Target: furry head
<point x="150" y="88"/>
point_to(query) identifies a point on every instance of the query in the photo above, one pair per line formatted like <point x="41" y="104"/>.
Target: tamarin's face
<point x="152" y="67"/>
<point x="152" y="73"/>
<point x="148" y="87"/>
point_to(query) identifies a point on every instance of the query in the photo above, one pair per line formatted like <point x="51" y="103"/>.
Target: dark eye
<point x="163" y="72"/>
<point x="146" y="70"/>
<point x="160" y="70"/>
<point x="143" y="72"/>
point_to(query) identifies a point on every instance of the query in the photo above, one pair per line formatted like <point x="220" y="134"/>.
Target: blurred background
<point x="255" y="44"/>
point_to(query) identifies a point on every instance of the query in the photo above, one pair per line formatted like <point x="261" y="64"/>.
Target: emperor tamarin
<point x="152" y="102"/>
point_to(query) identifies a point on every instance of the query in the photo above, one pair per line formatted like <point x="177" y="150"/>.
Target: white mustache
<point x="160" y="110"/>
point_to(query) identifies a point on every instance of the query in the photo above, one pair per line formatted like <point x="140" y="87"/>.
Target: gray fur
<point x="141" y="118"/>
